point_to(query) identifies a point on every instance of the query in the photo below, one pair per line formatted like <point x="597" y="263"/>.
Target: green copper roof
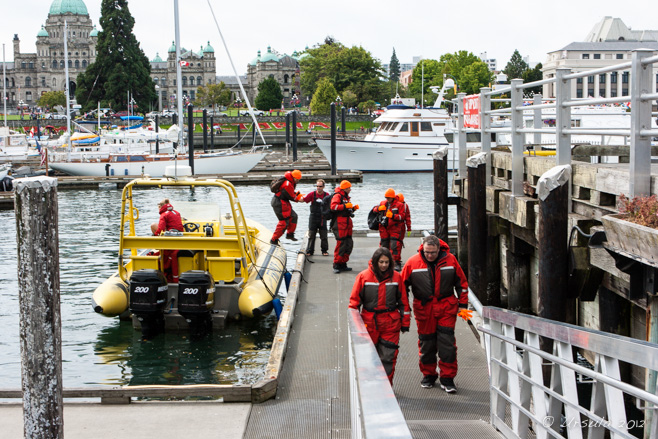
<point x="269" y="56"/>
<point x="209" y="48"/>
<point x="255" y="60"/>
<point x="157" y="58"/>
<point x="68" y="6"/>
<point x="200" y="52"/>
<point x="94" y="32"/>
<point x="173" y="47"/>
<point x="42" y="33"/>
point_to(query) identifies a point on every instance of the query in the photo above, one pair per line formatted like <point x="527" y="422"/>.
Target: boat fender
<point x="278" y="307"/>
<point x="287" y="276"/>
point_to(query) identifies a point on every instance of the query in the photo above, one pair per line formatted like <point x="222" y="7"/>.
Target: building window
<point x="30" y="65"/>
<point x="585" y="55"/>
<point x="43" y="81"/>
<point x="184" y="81"/>
<point x="602" y="92"/>
<point x="597" y="56"/>
<point x="70" y="64"/>
<point x="84" y="63"/>
<point x="23" y="65"/>
<point x="54" y="82"/>
<point x="199" y="80"/>
<point x="285" y="79"/>
<point x="579" y="80"/>
<point x="590" y="79"/>
<point x="192" y="95"/>
<point x="624" y="92"/>
<point x="163" y="82"/>
<point x="54" y="64"/>
<point x="43" y="64"/>
<point x="579" y="93"/>
<point x="84" y="53"/>
<point x="77" y="64"/>
<point x="590" y="92"/>
<point x="602" y="78"/>
<point x="613" y="77"/>
<point x="28" y="82"/>
<point x="624" y="78"/>
<point x="28" y="96"/>
<point x="156" y="81"/>
<point x="620" y="56"/>
<point x="613" y="93"/>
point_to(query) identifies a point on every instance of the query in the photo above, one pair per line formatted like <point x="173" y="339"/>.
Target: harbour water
<point x="102" y="351"/>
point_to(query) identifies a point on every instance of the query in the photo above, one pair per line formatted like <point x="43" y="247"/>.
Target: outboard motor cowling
<point x="196" y="298"/>
<point x="148" y="298"/>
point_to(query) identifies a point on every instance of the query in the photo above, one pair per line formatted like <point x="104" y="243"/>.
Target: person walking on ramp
<point x="440" y="291"/>
<point x="284" y="193"/>
<point x="391" y="229"/>
<point x="341" y="225"/>
<point x="379" y="293"/>
<point x="317" y="221"/>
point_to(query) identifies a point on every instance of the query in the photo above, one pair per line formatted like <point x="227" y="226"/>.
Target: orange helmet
<point x="390" y="193"/>
<point x="297" y="174"/>
<point x="345" y="184"/>
<point x="400" y="197"/>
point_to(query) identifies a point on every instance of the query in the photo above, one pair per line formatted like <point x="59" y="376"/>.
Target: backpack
<point x="374" y="219"/>
<point x="275" y="185"/>
<point x="326" y="211"/>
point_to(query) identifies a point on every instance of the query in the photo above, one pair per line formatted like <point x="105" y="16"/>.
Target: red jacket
<point x="446" y="279"/>
<point x="342" y="213"/>
<point x="395" y="223"/>
<point x="407" y="216"/>
<point x="169" y="220"/>
<point x="375" y="296"/>
<point x="287" y="190"/>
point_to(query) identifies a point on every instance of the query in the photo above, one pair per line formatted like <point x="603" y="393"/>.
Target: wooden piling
<point x="212" y="132"/>
<point x="190" y="136"/>
<point x="477" y="226"/>
<point x="333" y="138"/>
<point x="157" y="130"/>
<point x="39" y="302"/>
<point x="343" y="115"/>
<point x="205" y="130"/>
<point x="294" y="136"/>
<point x="462" y="230"/>
<point x="441" y="193"/>
<point x="552" y="245"/>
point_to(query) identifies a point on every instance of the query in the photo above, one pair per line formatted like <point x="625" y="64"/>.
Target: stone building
<point x="284" y="68"/>
<point x="32" y="74"/>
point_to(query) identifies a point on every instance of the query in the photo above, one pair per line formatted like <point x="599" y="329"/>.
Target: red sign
<point x="472" y="111"/>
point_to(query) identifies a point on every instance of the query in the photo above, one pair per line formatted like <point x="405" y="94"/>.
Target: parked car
<point x="299" y="113"/>
<point x="221" y="114"/>
<point x="256" y="112"/>
<point x="168" y="113"/>
<point x="55" y="116"/>
<point x="121" y="114"/>
<point x="152" y="114"/>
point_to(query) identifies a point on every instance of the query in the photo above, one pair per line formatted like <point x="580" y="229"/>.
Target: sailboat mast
<point x="4" y="85"/>
<point x="179" y="86"/>
<point x="66" y="74"/>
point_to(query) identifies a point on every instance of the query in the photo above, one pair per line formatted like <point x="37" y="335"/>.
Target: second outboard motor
<point x="148" y="298"/>
<point x="196" y="298"/>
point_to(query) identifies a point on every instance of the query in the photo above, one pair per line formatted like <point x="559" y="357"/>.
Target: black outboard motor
<point x="148" y="298"/>
<point x="196" y="298"/>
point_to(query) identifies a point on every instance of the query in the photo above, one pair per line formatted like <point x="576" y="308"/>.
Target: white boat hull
<point x="216" y="165"/>
<point x="368" y="156"/>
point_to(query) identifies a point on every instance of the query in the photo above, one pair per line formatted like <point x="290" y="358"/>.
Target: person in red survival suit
<point x="283" y="209"/>
<point x="407" y="216"/>
<point x="170" y="219"/>
<point x="440" y="292"/>
<point x="380" y="294"/>
<point x="391" y="230"/>
<point x="341" y="225"/>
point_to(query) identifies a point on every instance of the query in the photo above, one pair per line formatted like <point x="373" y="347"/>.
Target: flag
<point x="184" y="63"/>
<point x="44" y="153"/>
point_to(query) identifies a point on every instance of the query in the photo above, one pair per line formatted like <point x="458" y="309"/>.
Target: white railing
<point x="639" y="133"/>
<point x="534" y="389"/>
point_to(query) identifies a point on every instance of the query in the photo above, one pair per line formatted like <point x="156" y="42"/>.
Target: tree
<point x="120" y="67"/>
<point x="213" y="94"/>
<point x="394" y="68"/>
<point x="269" y="95"/>
<point x="349" y="98"/>
<point x="474" y="77"/>
<point x="324" y="95"/>
<point x="515" y="67"/>
<point x="50" y="99"/>
<point x="532" y="75"/>
<point x="426" y="74"/>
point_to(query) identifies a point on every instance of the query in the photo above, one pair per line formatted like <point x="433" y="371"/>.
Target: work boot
<point x="428" y="381"/>
<point x="274" y="241"/>
<point x="448" y="384"/>
<point x="344" y="267"/>
<point x="336" y="268"/>
<point x="291" y="236"/>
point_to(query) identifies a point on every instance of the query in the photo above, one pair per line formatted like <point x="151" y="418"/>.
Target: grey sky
<point x="415" y="28"/>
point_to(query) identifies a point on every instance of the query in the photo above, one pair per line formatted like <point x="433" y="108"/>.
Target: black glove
<point x="405" y="329"/>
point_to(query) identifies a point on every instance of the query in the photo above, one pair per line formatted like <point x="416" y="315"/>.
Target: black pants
<point x="314" y="226"/>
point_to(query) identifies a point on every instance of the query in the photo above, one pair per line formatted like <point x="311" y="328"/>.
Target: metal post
<point x="477" y="226"/>
<point x="552" y="245"/>
<point x="343" y="112"/>
<point x="517" y="139"/>
<point x="640" y="160"/>
<point x="39" y="302"/>
<point x="485" y="126"/>
<point x="205" y="130"/>
<point x="288" y="116"/>
<point x="333" y="138"/>
<point x="212" y="132"/>
<point x="4" y="85"/>
<point x="462" y="136"/>
<point x="157" y="136"/>
<point x="562" y="118"/>
<point x="294" y="136"/>
<point x="253" y="133"/>
<point x="536" y="119"/>
<point x="190" y="136"/>
<point x="238" y="133"/>
<point x="440" y="157"/>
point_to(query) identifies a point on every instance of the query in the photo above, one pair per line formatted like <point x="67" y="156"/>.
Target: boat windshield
<point x="198" y="211"/>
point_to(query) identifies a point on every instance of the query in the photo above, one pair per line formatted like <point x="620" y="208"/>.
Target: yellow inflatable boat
<point x="227" y="267"/>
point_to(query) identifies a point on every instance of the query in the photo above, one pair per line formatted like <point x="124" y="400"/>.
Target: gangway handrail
<point x="519" y="370"/>
<point x="375" y="412"/>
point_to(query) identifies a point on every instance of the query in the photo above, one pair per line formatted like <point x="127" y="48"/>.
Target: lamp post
<point x="238" y="103"/>
<point x="157" y="90"/>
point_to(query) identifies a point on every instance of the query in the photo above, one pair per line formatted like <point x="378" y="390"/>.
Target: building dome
<point x="200" y="52"/>
<point x="208" y="49"/>
<point x="157" y="58"/>
<point x="173" y="47"/>
<point x="42" y="33"/>
<point x="76" y="7"/>
<point x="255" y="60"/>
<point x="94" y="32"/>
<point x="269" y="56"/>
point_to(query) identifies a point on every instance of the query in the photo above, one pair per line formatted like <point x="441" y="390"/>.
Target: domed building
<point x="33" y="74"/>
<point x="284" y="68"/>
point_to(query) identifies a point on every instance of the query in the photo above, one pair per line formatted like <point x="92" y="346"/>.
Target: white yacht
<point x="403" y="142"/>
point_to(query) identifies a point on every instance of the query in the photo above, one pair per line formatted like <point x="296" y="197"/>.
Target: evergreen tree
<point x="324" y="95"/>
<point x="532" y="75"/>
<point x="269" y="95"/>
<point x="394" y="68"/>
<point x="515" y="67"/>
<point x="120" y="67"/>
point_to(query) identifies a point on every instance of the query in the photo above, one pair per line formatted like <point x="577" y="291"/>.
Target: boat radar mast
<point x="447" y="84"/>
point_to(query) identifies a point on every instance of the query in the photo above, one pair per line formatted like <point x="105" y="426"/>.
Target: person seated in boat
<point x="170" y="219"/>
<point x="282" y="207"/>
<point x="391" y="228"/>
